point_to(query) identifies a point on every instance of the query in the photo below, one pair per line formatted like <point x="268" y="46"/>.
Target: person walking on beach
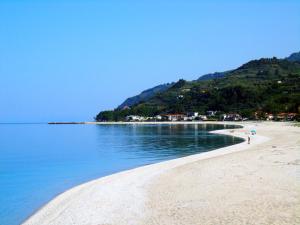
<point x="248" y="139"/>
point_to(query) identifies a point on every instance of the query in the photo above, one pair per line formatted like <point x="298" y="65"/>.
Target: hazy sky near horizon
<point x="67" y="60"/>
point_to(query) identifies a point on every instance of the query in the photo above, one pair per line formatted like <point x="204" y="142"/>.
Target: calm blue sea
<point x="39" y="161"/>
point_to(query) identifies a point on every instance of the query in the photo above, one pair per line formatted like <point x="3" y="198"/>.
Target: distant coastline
<point x="66" y="123"/>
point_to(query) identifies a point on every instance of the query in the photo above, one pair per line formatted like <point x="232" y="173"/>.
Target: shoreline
<point x="109" y="194"/>
<point x="148" y="122"/>
<point x="222" y="131"/>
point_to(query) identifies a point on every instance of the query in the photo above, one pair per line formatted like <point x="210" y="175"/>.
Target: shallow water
<point x="39" y="161"/>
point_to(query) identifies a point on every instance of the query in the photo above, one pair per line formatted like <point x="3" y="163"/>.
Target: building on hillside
<point x="202" y="117"/>
<point x="173" y="117"/>
<point x="192" y="114"/>
<point x="269" y="116"/>
<point x="135" y="118"/>
<point x="291" y="116"/>
<point x="286" y="116"/>
<point x="258" y="115"/>
<point x="231" y="117"/>
<point x="158" y="117"/>
<point x="188" y="118"/>
<point x="211" y="113"/>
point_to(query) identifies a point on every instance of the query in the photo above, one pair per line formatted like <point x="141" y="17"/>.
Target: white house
<point x="232" y="117"/>
<point x="134" y="118"/>
<point x="192" y="114"/>
<point x="158" y="117"/>
<point x="211" y="113"/>
<point x="202" y="117"/>
<point x="173" y="117"/>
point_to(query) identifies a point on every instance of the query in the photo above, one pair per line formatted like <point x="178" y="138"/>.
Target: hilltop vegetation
<point x="295" y="57"/>
<point x="144" y="96"/>
<point x="268" y="85"/>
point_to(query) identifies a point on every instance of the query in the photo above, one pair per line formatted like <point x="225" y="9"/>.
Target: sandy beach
<point x="256" y="183"/>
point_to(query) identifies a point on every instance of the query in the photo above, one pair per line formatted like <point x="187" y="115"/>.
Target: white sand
<point x="240" y="184"/>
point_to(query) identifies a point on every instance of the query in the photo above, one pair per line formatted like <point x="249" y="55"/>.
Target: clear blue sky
<point x="67" y="60"/>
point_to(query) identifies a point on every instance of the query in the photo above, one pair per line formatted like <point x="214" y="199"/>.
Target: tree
<point x="105" y="116"/>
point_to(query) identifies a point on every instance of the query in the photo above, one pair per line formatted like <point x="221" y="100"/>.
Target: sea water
<point x="39" y="161"/>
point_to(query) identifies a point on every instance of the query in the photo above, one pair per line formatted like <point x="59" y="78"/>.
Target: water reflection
<point x="159" y="142"/>
<point x="47" y="160"/>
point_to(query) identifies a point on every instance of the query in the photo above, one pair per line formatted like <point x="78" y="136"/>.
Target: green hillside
<point x="144" y="96"/>
<point x="267" y="85"/>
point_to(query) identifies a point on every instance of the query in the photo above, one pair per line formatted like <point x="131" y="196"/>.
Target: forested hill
<point x="144" y="96"/>
<point x="268" y="85"/>
<point x="295" y="57"/>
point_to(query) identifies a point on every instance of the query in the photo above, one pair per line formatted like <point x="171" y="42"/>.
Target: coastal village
<point x="213" y="116"/>
<point x="150" y="112"/>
